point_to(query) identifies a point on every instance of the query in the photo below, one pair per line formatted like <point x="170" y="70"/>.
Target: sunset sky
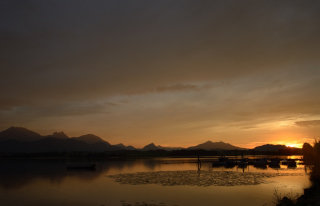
<point x="175" y="73"/>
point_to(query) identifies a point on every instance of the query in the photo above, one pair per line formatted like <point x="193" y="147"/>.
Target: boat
<point x="260" y="162"/>
<point x="88" y="166"/>
<point x="242" y="162"/>
<point x="284" y="162"/>
<point x="274" y="163"/>
<point x="222" y="161"/>
<point x="291" y="163"/>
<point x="251" y="161"/>
<point x="260" y="166"/>
<point x="275" y="166"/>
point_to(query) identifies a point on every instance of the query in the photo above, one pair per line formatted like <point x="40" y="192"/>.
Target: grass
<point x="288" y="199"/>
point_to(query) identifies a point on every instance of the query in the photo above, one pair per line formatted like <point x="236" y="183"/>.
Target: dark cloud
<point x="77" y="49"/>
<point x="308" y="123"/>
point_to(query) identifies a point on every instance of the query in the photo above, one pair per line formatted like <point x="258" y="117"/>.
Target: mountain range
<point x="18" y="139"/>
<point x="270" y="147"/>
<point x="215" y="146"/>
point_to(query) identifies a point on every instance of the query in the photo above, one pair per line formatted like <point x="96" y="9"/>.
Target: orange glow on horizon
<point x="294" y="145"/>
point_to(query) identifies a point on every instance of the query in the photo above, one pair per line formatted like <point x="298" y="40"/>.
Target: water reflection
<point x="262" y="167"/>
<point x="276" y="167"/>
<point x="17" y="173"/>
<point x="243" y="168"/>
<point x="171" y="181"/>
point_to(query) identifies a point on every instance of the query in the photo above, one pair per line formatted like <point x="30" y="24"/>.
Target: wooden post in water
<point x="199" y="163"/>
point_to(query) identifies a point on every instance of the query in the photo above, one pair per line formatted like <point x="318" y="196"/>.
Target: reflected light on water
<point x="46" y="182"/>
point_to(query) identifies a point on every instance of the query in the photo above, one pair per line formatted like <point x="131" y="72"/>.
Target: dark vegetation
<point x="149" y="153"/>
<point x="311" y="196"/>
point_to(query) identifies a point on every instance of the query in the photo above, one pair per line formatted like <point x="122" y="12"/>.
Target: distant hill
<point x="270" y="147"/>
<point x="59" y="135"/>
<point x="18" y="139"/>
<point x="90" y="139"/>
<point x="130" y="147"/>
<point x="54" y="145"/>
<point x="215" y="146"/>
<point x="169" y="148"/>
<point x="125" y="147"/>
<point x="150" y="147"/>
<point x="121" y="146"/>
<point x="19" y="134"/>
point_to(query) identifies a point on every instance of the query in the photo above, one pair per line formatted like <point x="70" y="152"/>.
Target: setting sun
<point x="294" y="145"/>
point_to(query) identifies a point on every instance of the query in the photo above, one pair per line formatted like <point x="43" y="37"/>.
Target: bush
<point x="287" y="200"/>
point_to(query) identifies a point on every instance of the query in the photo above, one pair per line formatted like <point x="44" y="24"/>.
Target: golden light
<point x="294" y="145"/>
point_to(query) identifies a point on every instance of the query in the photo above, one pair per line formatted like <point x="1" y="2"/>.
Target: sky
<point x="175" y="73"/>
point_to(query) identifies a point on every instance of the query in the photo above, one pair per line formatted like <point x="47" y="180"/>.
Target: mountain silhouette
<point x="19" y="134"/>
<point x="125" y="147"/>
<point x="121" y="146"/>
<point x="130" y="147"/>
<point x="90" y="139"/>
<point x="51" y="144"/>
<point x="18" y="139"/>
<point x="270" y="147"/>
<point x="59" y="135"/>
<point x="169" y="148"/>
<point x="150" y="147"/>
<point x="215" y="146"/>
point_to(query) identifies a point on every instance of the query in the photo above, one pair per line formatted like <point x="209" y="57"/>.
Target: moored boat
<point x="260" y="162"/>
<point x="222" y="161"/>
<point x="274" y="162"/>
<point x="242" y="162"/>
<point x="291" y="163"/>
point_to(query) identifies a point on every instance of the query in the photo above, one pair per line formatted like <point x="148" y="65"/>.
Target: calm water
<point x="48" y="182"/>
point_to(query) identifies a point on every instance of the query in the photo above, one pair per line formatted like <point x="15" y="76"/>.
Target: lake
<point x="152" y="181"/>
